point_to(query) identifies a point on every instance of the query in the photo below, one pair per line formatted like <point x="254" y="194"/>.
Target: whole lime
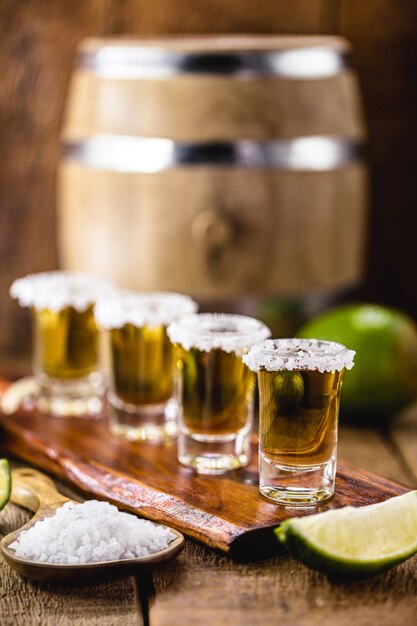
<point x="384" y="379"/>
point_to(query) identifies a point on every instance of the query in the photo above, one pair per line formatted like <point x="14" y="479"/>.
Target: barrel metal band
<point x="120" y="62"/>
<point x="129" y="154"/>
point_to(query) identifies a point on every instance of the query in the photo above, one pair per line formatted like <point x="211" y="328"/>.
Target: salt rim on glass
<point x="224" y="331"/>
<point x="150" y="309"/>
<point x="299" y="354"/>
<point x="57" y="290"/>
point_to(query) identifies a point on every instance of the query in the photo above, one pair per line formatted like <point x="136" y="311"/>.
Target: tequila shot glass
<point x="141" y="403"/>
<point x="65" y="340"/>
<point x="299" y="382"/>
<point x="215" y="389"/>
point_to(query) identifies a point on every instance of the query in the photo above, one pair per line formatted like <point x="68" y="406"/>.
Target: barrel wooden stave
<point x="252" y="109"/>
<point x="138" y="228"/>
<point x="276" y="231"/>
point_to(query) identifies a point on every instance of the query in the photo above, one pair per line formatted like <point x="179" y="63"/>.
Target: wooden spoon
<point x="37" y="492"/>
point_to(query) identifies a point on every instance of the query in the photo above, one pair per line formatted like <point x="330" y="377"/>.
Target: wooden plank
<point x="282" y="248"/>
<point x="384" y="35"/>
<point x="403" y="433"/>
<point x="217" y="16"/>
<point x="38" y="40"/>
<point x="280" y="590"/>
<point x="204" y="588"/>
<point x="147" y="479"/>
<point x="24" y="603"/>
<point x="37" y="46"/>
<point x="369" y="448"/>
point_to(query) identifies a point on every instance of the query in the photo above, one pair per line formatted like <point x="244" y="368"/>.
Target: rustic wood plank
<point x="370" y="449"/>
<point x="188" y="592"/>
<point x="384" y="35"/>
<point x="217" y="16"/>
<point x="283" y="590"/>
<point x="112" y="603"/>
<point x="37" y="47"/>
<point x="403" y="433"/>
<point x="295" y="246"/>
<point x="204" y="588"/>
<point x="148" y="479"/>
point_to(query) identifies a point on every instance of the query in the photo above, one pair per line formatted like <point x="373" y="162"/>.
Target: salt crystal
<point x="222" y="331"/>
<point x="89" y="533"/>
<point x="57" y="290"/>
<point x="299" y="354"/>
<point x="150" y="309"/>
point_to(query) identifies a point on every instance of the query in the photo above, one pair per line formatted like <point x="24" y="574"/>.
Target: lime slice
<point x="355" y="542"/>
<point x="5" y="482"/>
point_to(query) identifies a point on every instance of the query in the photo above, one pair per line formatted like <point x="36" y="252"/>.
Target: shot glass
<point x="215" y="389"/>
<point x="141" y="402"/>
<point x="65" y="340"/>
<point x="299" y="382"/>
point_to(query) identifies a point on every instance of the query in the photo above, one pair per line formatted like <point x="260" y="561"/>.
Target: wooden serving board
<point x="225" y="512"/>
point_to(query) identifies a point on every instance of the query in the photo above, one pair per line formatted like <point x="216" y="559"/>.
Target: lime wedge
<point x="355" y="542"/>
<point x="5" y="482"/>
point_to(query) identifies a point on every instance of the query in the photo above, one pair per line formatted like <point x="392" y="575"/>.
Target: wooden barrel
<point x="216" y="166"/>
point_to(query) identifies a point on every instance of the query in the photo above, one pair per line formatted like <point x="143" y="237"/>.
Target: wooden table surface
<point x="204" y="587"/>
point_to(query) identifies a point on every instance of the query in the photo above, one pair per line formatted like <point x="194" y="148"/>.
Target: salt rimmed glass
<point x="66" y="339"/>
<point x="215" y="390"/>
<point x="140" y="395"/>
<point x="299" y="382"/>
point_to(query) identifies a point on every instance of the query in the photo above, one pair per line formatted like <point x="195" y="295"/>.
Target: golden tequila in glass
<point x="299" y="382"/>
<point x="65" y="340"/>
<point x="215" y="390"/>
<point x="140" y="395"/>
<point x="221" y="406"/>
<point x="142" y="364"/>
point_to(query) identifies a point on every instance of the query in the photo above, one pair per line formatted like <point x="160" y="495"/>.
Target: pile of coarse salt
<point x="88" y="533"/>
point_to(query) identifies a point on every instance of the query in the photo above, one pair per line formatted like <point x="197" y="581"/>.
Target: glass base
<point x="155" y="423"/>
<point x="80" y="397"/>
<point x="214" y="454"/>
<point x="296" y="486"/>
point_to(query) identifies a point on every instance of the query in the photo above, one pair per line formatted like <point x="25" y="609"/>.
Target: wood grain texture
<point x="217" y="16"/>
<point x="37" y="47"/>
<point x="285" y="246"/>
<point x="271" y="240"/>
<point x="26" y="604"/>
<point x="36" y="492"/>
<point x="37" y="43"/>
<point x="403" y="434"/>
<point x="384" y="36"/>
<point x="372" y="449"/>
<point x="209" y="107"/>
<point x="280" y="590"/>
<point x="213" y="109"/>
<point x="147" y="479"/>
<point x="205" y="588"/>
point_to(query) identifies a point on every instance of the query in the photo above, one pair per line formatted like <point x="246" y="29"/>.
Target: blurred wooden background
<point x="38" y="39"/>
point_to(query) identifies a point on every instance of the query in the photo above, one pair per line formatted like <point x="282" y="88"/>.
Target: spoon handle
<point x="34" y="490"/>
